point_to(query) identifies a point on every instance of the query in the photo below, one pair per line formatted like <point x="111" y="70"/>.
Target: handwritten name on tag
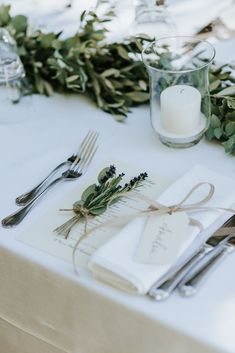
<point x="162" y="238"/>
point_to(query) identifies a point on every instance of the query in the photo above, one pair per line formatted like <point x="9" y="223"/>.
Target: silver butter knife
<point x="191" y="283"/>
<point x="165" y="285"/>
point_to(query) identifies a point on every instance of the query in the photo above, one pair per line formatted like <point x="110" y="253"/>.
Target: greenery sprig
<point x="222" y="92"/>
<point x="98" y="197"/>
<point x="111" y="74"/>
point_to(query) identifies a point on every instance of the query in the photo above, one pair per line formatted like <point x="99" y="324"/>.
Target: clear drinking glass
<point x="152" y="18"/>
<point x="179" y="88"/>
<point x="11" y="74"/>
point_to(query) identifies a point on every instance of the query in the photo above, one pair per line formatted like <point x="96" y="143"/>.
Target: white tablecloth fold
<point x="114" y="262"/>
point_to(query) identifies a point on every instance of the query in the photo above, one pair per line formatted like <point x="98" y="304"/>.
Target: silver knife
<point x="165" y="286"/>
<point x="195" y="278"/>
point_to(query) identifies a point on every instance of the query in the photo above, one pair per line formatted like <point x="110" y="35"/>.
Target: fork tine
<point x="88" y="150"/>
<point x="84" y="141"/>
<point x="89" y="160"/>
<point x="89" y="136"/>
<point x="83" y="168"/>
<point x="82" y="147"/>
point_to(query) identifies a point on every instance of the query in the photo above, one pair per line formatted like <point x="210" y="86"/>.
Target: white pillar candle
<point x="180" y="109"/>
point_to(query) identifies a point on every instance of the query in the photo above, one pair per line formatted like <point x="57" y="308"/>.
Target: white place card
<point x="162" y="238"/>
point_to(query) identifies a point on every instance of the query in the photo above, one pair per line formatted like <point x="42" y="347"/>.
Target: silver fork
<point x="77" y="169"/>
<point x="25" y="198"/>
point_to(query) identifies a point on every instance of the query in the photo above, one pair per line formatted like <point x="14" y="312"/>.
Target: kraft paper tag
<point x="162" y="238"/>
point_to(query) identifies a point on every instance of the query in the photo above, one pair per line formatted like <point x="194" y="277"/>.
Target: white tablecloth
<point x="44" y="306"/>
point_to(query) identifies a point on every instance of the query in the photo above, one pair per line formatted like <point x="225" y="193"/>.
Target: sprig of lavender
<point x="98" y="197"/>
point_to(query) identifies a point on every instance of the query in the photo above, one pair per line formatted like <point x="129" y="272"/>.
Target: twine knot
<point x="80" y="210"/>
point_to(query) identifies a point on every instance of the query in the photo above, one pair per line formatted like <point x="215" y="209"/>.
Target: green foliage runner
<point x="111" y="74"/>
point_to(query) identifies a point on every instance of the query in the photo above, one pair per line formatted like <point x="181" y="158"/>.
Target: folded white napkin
<point x="114" y="262"/>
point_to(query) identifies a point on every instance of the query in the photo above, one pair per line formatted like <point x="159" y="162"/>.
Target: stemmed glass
<point x="11" y="74"/>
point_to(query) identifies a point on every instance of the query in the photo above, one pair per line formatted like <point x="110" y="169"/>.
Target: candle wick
<point x="182" y="90"/>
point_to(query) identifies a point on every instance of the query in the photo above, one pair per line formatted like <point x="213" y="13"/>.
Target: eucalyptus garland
<point x="107" y="73"/>
<point x="111" y="74"/>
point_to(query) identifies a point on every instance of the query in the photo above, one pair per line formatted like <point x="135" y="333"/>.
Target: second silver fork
<point x="25" y="198"/>
<point x="78" y="168"/>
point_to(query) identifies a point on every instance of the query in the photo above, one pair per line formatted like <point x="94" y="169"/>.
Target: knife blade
<point x="195" y="278"/>
<point x="162" y="288"/>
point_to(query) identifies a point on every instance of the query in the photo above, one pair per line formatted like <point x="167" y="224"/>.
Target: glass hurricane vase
<point x="179" y="88"/>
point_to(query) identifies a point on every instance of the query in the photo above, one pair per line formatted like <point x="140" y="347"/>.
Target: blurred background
<point x="207" y="18"/>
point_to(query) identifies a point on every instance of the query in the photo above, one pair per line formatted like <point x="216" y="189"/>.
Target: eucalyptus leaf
<point x="48" y="89"/>
<point x="229" y="145"/>
<point x="98" y="211"/>
<point x="96" y="86"/>
<point x="110" y="72"/>
<point x="210" y="134"/>
<point x="215" y="121"/>
<point x="5" y="17"/>
<point x="47" y="40"/>
<point x="88" y="191"/>
<point x="108" y="84"/>
<point x="72" y="78"/>
<point x="78" y="204"/>
<point x="228" y="91"/>
<point x="143" y="85"/>
<point x="123" y="53"/>
<point x="218" y="132"/>
<point x="214" y="85"/>
<point x="20" y="23"/>
<point x="138" y="96"/>
<point x="230" y="116"/>
<point x="230" y="128"/>
<point x="215" y="109"/>
<point x="119" y="118"/>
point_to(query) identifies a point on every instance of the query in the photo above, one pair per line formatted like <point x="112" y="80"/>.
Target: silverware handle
<point x="162" y="290"/>
<point x="16" y="217"/>
<point x="191" y="283"/>
<point x="25" y="198"/>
